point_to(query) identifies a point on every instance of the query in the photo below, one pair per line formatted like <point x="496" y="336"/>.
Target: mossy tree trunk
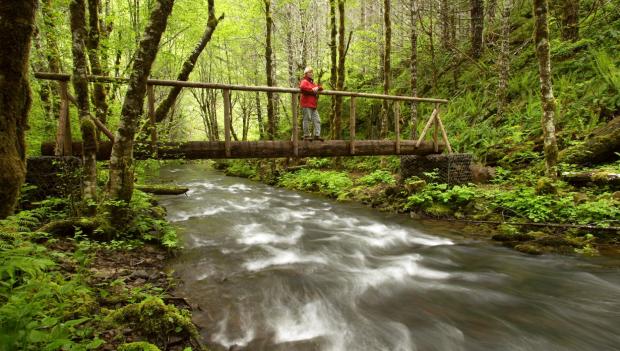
<point x="541" y="11"/>
<point x="413" y="17"/>
<point x="387" y="67"/>
<point x="570" y="20"/>
<point x="77" y="10"/>
<point x="100" y="91"/>
<point x="503" y="61"/>
<point x="121" y="178"/>
<point x="333" y="77"/>
<point x="16" y="29"/>
<point x="188" y="66"/>
<point x="477" y="27"/>
<point x="341" y="69"/>
<point x="271" y="110"/>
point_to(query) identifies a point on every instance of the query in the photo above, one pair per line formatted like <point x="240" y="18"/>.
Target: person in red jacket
<point x="309" y="101"/>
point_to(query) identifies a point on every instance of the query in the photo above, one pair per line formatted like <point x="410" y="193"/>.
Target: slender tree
<point x="120" y="185"/>
<point x="413" y="64"/>
<point x="503" y="62"/>
<point x="188" y="66"/>
<point x="387" y="68"/>
<point x="570" y="20"/>
<point x="341" y="69"/>
<point x="477" y="27"/>
<point x="100" y="91"/>
<point x="333" y="77"/>
<point x="271" y="110"/>
<point x="77" y="10"/>
<point x="16" y="29"/>
<point x="541" y="11"/>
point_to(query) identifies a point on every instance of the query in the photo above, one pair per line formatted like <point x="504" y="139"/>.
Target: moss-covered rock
<point x="530" y="249"/>
<point x="438" y="210"/>
<point x="138" y="346"/>
<point x="154" y="319"/>
<point x="545" y="186"/>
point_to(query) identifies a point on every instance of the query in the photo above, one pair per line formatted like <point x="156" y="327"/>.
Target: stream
<point x="273" y="269"/>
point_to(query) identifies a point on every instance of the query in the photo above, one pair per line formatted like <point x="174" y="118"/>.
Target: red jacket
<point x="309" y="98"/>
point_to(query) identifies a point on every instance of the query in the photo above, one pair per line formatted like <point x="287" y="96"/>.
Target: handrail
<point x="205" y="85"/>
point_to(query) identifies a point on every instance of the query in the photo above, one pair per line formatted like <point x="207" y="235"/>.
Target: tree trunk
<point x="16" y="29"/>
<point x="541" y="10"/>
<point x="601" y="146"/>
<point x="503" y="61"/>
<point x="271" y="119"/>
<point x="77" y="9"/>
<point x="94" y="34"/>
<point x="444" y="12"/>
<point x="570" y="20"/>
<point x="387" y="69"/>
<point x="413" y="15"/>
<point x="53" y="54"/>
<point x="341" y="70"/>
<point x="333" y="77"/>
<point x="121" y="178"/>
<point x="477" y="27"/>
<point x="188" y="66"/>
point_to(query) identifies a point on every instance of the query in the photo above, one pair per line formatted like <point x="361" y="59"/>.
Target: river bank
<point x="64" y="288"/>
<point x="518" y="209"/>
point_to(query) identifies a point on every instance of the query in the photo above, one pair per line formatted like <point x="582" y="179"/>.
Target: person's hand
<point x="315" y="89"/>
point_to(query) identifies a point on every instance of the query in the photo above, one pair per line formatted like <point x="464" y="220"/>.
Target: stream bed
<point x="273" y="269"/>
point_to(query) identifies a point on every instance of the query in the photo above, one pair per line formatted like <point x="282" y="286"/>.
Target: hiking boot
<point x="307" y="138"/>
<point x="318" y="138"/>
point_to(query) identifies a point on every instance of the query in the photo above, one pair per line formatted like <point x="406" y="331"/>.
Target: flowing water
<point x="277" y="270"/>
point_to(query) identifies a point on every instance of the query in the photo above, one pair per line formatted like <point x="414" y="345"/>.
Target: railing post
<point x="397" y="125"/>
<point x="436" y="130"/>
<point x="64" y="140"/>
<point x="295" y="115"/>
<point x="151" y="110"/>
<point x="227" y="121"/>
<point x="352" y="125"/>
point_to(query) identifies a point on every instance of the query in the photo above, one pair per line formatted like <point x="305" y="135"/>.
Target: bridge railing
<point x="63" y="139"/>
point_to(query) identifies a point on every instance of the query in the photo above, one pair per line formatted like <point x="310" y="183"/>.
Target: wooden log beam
<point x="206" y="85"/>
<point x="195" y="150"/>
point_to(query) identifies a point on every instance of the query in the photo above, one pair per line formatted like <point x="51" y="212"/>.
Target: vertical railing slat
<point x="227" y="121"/>
<point x="352" y="118"/>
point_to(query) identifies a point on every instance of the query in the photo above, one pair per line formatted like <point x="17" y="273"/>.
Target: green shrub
<point x="377" y="177"/>
<point x="241" y="168"/>
<point x="330" y="183"/>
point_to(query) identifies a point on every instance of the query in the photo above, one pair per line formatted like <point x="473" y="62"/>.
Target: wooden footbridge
<point x="64" y="146"/>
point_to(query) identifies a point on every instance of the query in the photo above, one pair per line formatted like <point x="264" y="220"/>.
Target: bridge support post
<point x="436" y="130"/>
<point x="227" y="121"/>
<point x="151" y="111"/>
<point x="64" y="140"/>
<point x="295" y="116"/>
<point x="397" y="126"/>
<point x="352" y="125"/>
<point x="426" y="127"/>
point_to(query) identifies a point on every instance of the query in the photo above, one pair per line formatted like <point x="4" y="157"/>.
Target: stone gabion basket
<point x="451" y="168"/>
<point x="54" y="176"/>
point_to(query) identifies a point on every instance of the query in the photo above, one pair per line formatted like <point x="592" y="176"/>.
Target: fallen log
<point x="194" y="150"/>
<point x="67" y="227"/>
<point x="532" y="224"/>
<point x="602" y="146"/>
<point x="157" y="189"/>
<point x="581" y="178"/>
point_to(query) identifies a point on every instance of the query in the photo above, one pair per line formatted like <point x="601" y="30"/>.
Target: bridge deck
<point x="262" y="149"/>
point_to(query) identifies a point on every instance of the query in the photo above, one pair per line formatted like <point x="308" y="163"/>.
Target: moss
<point x="545" y="186"/>
<point x="154" y="319"/>
<point x="138" y="346"/>
<point x="529" y="249"/>
<point x="438" y="210"/>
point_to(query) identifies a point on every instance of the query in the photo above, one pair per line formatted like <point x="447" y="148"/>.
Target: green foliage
<point x="330" y="183"/>
<point x="315" y="162"/>
<point x="453" y="196"/>
<point x="138" y="346"/>
<point x="241" y="168"/>
<point x="377" y="177"/>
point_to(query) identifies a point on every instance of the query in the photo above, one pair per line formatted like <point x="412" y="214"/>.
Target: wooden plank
<point x="445" y="136"/>
<point x="64" y="140"/>
<point x="151" y="111"/>
<point x="227" y="121"/>
<point x="426" y="127"/>
<point x="194" y="150"/>
<point x="352" y="118"/>
<point x="397" y="126"/>
<point x="295" y="116"/>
